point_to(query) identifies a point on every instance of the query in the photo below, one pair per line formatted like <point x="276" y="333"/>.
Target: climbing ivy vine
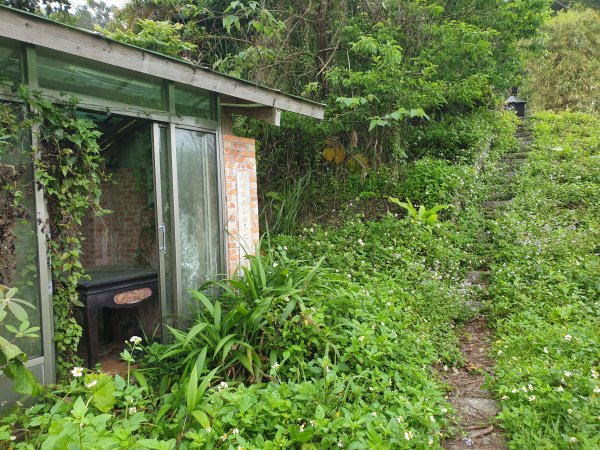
<point x="67" y="162"/>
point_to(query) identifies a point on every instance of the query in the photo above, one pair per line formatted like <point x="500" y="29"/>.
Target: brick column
<point x="241" y="208"/>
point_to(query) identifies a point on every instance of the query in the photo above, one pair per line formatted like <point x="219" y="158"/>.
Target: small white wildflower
<point x="530" y="387"/>
<point x="594" y="374"/>
<point x="445" y="367"/>
<point x="275" y="366"/>
<point x="373" y="413"/>
<point x="546" y="350"/>
<point x="568" y="337"/>
<point x="568" y="374"/>
<point x="135" y="340"/>
<point x="373" y="326"/>
<point x="13" y="438"/>
<point x="339" y="444"/>
<point x="208" y="429"/>
<point x="531" y="398"/>
<point x="224" y="437"/>
<point x="432" y="419"/>
<point x="500" y="352"/>
<point x="91" y="384"/>
<point x="349" y="275"/>
<point x="570" y="411"/>
<point x="235" y="431"/>
<point x="430" y="441"/>
<point x="560" y="389"/>
<point x="524" y="389"/>
<point x="285" y="248"/>
<point x="597" y="390"/>
<point x="132" y="410"/>
<point x="505" y="397"/>
<point x="361" y="243"/>
<point x="382" y="324"/>
<point x="408" y="435"/>
<point x="572" y="439"/>
<point x="400" y="419"/>
<point x="275" y="264"/>
<point x="77" y="371"/>
<point x="361" y="338"/>
<point x="222" y="385"/>
<point x="240" y="447"/>
<point x="388" y="304"/>
<point x="371" y="388"/>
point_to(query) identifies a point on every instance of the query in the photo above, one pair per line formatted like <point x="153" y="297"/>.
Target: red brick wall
<point x="241" y="208"/>
<point x="114" y="239"/>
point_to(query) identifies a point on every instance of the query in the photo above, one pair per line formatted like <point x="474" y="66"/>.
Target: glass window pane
<point x="200" y="237"/>
<point x="80" y="76"/>
<point x="18" y="234"/>
<point x="196" y="102"/>
<point x="10" y="61"/>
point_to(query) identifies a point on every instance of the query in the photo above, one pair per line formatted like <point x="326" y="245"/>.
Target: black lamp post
<point x="514" y="103"/>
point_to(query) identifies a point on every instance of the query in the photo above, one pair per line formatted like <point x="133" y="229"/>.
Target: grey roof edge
<point x="28" y="27"/>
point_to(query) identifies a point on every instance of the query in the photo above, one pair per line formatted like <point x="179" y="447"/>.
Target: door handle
<point x="163" y="247"/>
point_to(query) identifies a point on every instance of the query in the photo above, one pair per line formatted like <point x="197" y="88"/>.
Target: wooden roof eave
<point x="42" y="32"/>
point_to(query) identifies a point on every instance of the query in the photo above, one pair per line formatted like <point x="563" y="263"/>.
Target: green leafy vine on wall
<point x="68" y="166"/>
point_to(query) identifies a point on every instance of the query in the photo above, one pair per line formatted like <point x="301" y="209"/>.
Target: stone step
<point x="475" y="411"/>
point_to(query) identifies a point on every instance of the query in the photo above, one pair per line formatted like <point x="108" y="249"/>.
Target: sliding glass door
<point x="188" y="178"/>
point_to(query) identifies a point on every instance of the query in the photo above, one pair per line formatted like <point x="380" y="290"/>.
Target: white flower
<point x="361" y="338"/>
<point x="545" y="349"/>
<point x="430" y="441"/>
<point x="568" y="374"/>
<point x="349" y="275"/>
<point x="275" y="264"/>
<point x="312" y="423"/>
<point x="208" y="429"/>
<point x="400" y="419"/>
<point x="505" y="397"/>
<point x="594" y="374"/>
<point x="135" y="340"/>
<point x="224" y="437"/>
<point x="240" y="447"/>
<point x="432" y="419"/>
<point x="373" y="413"/>
<point x="500" y="352"/>
<point x="568" y="337"/>
<point x="235" y="431"/>
<point x="572" y="439"/>
<point x="339" y="444"/>
<point x="531" y="398"/>
<point x="13" y="438"/>
<point x="361" y="243"/>
<point x="597" y="390"/>
<point x="445" y="367"/>
<point x="275" y="366"/>
<point x="408" y="435"/>
<point x="514" y="391"/>
<point x="388" y="304"/>
<point x="560" y="389"/>
<point x="132" y="410"/>
<point x="222" y="385"/>
<point x="373" y="326"/>
<point x="91" y="384"/>
<point x="77" y="371"/>
<point x="530" y="387"/>
<point x="570" y="411"/>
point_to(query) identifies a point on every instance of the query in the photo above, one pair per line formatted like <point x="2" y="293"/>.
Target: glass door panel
<point x="199" y="224"/>
<point x="19" y="238"/>
<point x="164" y="220"/>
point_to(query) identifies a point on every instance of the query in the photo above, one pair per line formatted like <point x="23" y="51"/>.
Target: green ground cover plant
<point x="544" y="290"/>
<point x="325" y="339"/>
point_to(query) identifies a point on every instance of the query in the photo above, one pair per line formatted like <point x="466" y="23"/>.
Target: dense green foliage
<point x="544" y="290"/>
<point x="563" y="71"/>
<point x="327" y="339"/>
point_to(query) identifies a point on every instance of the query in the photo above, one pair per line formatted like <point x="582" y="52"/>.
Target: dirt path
<point x="475" y="406"/>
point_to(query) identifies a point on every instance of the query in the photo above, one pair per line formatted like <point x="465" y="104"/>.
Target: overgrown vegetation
<point x="544" y="290"/>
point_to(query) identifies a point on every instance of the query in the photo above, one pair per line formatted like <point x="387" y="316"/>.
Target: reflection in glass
<point x="18" y="235"/>
<point x="197" y="172"/>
